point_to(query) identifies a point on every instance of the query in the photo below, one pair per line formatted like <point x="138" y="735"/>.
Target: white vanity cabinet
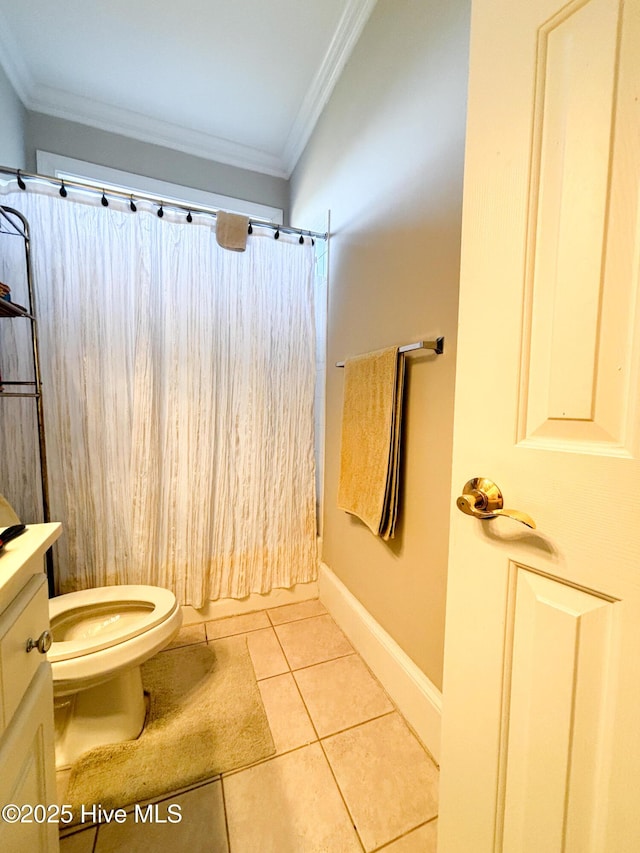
<point x="27" y="742"/>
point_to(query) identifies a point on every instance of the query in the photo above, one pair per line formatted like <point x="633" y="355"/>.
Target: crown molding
<point x="56" y="102"/>
<point x="65" y="105"/>
<point x="348" y="31"/>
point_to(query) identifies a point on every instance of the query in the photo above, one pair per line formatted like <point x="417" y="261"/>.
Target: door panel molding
<point x="558" y="663"/>
<point x="574" y="393"/>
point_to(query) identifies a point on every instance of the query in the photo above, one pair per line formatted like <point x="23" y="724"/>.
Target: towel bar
<point x="437" y="346"/>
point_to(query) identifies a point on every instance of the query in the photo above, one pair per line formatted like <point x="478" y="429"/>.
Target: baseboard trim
<point x="415" y="696"/>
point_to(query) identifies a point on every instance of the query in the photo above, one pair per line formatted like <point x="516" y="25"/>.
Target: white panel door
<point x="541" y="709"/>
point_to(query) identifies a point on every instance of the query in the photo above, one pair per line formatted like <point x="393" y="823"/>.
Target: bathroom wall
<point x="387" y="158"/>
<point x="12" y="125"/>
<point x="70" y="139"/>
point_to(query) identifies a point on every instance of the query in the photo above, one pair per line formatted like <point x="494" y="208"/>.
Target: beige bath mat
<point x="205" y="717"/>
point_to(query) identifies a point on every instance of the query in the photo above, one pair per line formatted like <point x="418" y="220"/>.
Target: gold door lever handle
<point x="481" y="498"/>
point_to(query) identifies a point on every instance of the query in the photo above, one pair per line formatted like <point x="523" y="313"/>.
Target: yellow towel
<point x="231" y="231"/>
<point x="371" y="431"/>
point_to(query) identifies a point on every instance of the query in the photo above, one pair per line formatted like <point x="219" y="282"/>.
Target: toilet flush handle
<point x="42" y="644"/>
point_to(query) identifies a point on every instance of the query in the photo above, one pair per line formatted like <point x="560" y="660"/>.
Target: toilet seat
<point x="98" y="619"/>
<point x="101" y="638"/>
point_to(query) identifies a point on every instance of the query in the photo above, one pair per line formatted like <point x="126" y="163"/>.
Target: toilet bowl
<point x="100" y="639"/>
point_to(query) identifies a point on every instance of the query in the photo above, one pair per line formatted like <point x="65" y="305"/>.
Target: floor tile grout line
<point x="327" y="660"/>
<point x="76" y="829"/>
<point x="194" y="787"/>
<point x="238" y="633"/>
<point x="390" y="699"/>
<point x="266" y="760"/>
<point x="402" y="716"/>
<point x="285" y="658"/>
<point x="186" y="646"/>
<point x="258" y="680"/>
<point x="342" y="797"/>
<point x="288" y="662"/>
<point x="372" y="675"/>
<point x="255" y="631"/>
<point x="251" y="613"/>
<point x="297" y="619"/>
<point x="306" y="666"/>
<point x="391" y="840"/>
<point x="290" y="752"/>
<point x="333" y="775"/>
<point x="394" y="710"/>
<point x="354" y="652"/>
<point x="320" y="663"/>
<point x="226" y="817"/>
<point x="357" y="725"/>
<point x="73" y="829"/>
<point x="318" y="740"/>
<point x="319" y="737"/>
<point x="272" y="677"/>
<point x="387" y="844"/>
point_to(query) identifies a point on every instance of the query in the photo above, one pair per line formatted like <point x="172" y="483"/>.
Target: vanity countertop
<point x="22" y="557"/>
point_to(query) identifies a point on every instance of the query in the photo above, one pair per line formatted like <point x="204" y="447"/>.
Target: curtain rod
<point x="63" y="184"/>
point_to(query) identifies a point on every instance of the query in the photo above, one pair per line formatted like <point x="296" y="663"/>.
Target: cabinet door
<point x="28" y="772"/>
<point x="27" y="616"/>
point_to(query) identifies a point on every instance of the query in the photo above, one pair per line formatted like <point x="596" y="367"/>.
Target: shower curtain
<point x="178" y="387"/>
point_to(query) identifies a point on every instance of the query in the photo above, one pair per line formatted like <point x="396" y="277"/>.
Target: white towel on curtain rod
<point x="179" y="391"/>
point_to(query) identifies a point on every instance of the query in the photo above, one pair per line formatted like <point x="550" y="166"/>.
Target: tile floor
<point x="348" y="774"/>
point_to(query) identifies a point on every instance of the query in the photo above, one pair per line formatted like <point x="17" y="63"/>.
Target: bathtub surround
<point x="180" y="387"/>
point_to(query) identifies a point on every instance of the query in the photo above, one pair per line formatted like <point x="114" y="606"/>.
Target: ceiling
<point x="239" y="82"/>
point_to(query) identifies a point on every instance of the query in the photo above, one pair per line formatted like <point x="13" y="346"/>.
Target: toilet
<point x="101" y="637"/>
